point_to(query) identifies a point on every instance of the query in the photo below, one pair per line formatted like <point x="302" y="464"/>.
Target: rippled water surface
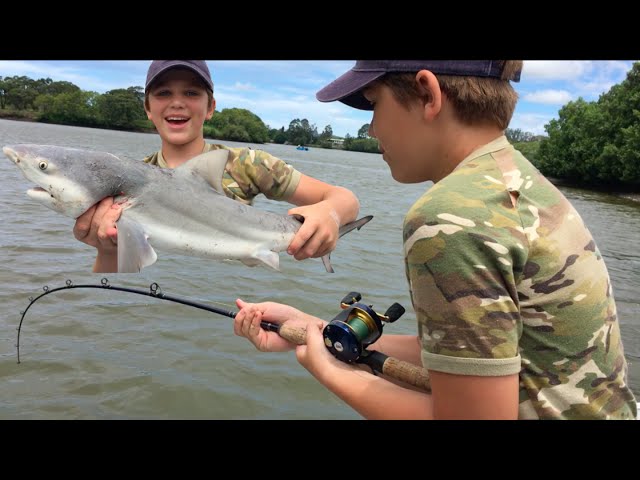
<point x="95" y="354"/>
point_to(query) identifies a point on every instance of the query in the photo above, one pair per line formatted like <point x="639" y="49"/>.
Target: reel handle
<point x="400" y="370"/>
<point x="393" y="313"/>
<point x="350" y="298"/>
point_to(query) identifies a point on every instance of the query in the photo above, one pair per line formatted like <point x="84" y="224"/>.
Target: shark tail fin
<point x="356" y="224"/>
<point x="349" y="227"/>
<point x="326" y="260"/>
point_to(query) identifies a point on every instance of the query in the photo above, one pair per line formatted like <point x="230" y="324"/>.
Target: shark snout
<point x="11" y="153"/>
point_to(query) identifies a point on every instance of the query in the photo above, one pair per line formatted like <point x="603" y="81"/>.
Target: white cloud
<point x="606" y="75"/>
<point x="556" y="69"/>
<point x="277" y="109"/>
<point x="587" y="79"/>
<point x="243" y="86"/>
<point x="531" y="122"/>
<point x="548" y="97"/>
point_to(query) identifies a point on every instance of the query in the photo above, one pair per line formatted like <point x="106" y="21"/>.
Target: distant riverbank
<point x="630" y="196"/>
<point x="622" y="193"/>
<point x="30" y="116"/>
<point x="27" y="116"/>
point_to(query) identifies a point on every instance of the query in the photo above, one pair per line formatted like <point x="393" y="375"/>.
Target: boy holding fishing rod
<point x="178" y="100"/>
<point x="515" y="308"/>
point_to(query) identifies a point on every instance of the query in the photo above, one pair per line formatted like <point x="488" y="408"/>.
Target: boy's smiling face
<point x="179" y="106"/>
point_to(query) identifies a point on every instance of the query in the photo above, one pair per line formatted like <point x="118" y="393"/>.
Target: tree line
<point x="64" y="103"/>
<point x="590" y="143"/>
<point x="597" y="143"/>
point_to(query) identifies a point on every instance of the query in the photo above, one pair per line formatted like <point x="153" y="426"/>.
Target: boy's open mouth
<point x="177" y="120"/>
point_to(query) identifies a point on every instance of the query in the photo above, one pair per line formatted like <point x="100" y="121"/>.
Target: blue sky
<point x="279" y="91"/>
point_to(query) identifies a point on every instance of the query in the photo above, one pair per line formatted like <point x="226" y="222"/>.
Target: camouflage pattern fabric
<point x="500" y="290"/>
<point x="249" y="173"/>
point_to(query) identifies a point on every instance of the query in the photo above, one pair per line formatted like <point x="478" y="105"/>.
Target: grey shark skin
<point x="174" y="210"/>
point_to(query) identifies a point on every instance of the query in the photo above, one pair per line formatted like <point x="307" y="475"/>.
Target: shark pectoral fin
<point x="134" y="251"/>
<point x="266" y="257"/>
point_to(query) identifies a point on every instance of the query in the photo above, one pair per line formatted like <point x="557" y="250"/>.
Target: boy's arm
<point x="324" y="207"/>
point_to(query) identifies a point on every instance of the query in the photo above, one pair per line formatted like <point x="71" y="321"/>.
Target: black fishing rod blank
<point x="347" y="336"/>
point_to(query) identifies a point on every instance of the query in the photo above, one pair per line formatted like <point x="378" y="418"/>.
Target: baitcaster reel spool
<point x="355" y="328"/>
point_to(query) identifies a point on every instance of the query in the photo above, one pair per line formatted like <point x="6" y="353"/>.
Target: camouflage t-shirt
<point x="249" y="173"/>
<point x="499" y="289"/>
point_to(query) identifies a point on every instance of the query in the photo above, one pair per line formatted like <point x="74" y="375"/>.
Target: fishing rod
<point x="347" y="336"/>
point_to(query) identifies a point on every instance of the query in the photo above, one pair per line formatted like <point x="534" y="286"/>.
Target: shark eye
<point x="43" y="165"/>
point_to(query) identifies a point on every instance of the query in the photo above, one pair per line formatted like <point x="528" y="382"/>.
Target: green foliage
<point x="364" y="131"/>
<point x="597" y="143"/>
<point x="19" y="92"/>
<point x="278" y="135"/>
<point x="518" y="136"/>
<point x="120" y="108"/>
<point x="300" y="132"/>
<point x="238" y="124"/>
<point x="369" y="145"/>
<point x="3" y="91"/>
<point x="326" y="135"/>
<point x="529" y="149"/>
<point x="71" y="107"/>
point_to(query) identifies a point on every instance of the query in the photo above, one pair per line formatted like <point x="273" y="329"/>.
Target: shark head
<point x="67" y="181"/>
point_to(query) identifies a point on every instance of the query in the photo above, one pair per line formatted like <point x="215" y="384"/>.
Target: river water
<point x="98" y="354"/>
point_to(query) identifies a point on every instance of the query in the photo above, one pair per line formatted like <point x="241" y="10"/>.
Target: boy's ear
<point x="429" y="89"/>
<point x="212" y="108"/>
<point x="148" y="112"/>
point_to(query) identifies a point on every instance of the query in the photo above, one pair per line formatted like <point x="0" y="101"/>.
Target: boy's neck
<point x="175" y="155"/>
<point x="460" y="141"/>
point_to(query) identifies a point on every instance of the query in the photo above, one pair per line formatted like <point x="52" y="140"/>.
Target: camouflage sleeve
<point x="461" y="273"/>
<point x="252" y="172"/>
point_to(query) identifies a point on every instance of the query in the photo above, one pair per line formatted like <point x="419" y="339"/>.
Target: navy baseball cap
<point x="348" y="87"/>
<point x="158" y="67"/>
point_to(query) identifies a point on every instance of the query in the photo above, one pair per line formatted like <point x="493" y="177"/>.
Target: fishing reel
<point x="355" y="328"/>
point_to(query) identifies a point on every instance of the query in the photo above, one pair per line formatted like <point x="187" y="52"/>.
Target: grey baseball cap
<point x="348" y="87"/>
<point x="158" y="67"/>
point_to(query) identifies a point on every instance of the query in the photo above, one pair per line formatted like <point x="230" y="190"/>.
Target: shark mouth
<point x="38" y="192"/>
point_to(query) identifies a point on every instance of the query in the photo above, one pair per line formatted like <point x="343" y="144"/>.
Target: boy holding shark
<point x="178" y="100"/>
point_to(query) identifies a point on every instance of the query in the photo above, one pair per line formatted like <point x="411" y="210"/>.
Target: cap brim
<point x="348" y="89"/>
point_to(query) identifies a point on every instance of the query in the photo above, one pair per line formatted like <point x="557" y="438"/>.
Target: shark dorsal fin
<point x="208" y="165"/>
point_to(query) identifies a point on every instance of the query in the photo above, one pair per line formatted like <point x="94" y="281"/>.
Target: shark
<point x="173" y="210"/>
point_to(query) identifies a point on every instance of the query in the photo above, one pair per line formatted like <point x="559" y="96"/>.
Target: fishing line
<point x="154" y="291"/>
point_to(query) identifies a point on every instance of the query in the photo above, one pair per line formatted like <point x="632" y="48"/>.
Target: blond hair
<point x="476" y="100"/>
